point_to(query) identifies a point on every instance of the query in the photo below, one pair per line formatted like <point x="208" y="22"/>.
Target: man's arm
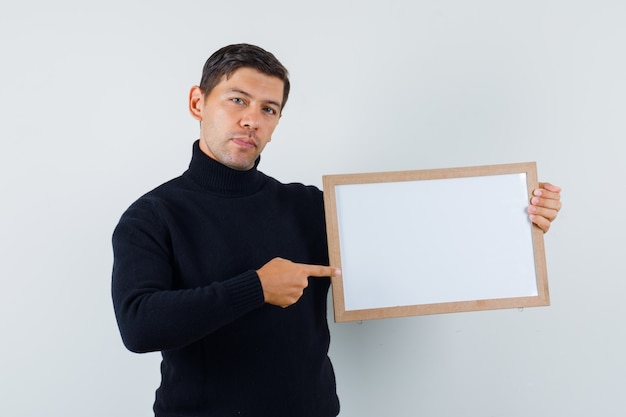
<point x="152" y="314"/>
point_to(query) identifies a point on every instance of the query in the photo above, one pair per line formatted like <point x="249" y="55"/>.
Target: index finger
<point x="322" y="271"/>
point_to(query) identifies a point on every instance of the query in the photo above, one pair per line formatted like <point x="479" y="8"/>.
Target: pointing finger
<point x="322" y="271"/>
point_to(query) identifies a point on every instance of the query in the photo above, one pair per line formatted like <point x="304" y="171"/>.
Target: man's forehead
<point x="239" y="80"/>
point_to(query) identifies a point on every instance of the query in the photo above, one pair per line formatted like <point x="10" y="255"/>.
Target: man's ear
<point x="196" y="102"/>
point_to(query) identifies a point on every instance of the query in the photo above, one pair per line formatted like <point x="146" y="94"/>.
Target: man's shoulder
<point x="296" y="188"/>
<point x="295" y="193"/>
<point x="290" y="186"/>
<point x="158" y="195"/>
<point x="167" y="187"/>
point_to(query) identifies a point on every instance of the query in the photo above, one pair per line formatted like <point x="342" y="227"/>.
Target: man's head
<point x="239" y="103"/>
<point x="232" y="57"/>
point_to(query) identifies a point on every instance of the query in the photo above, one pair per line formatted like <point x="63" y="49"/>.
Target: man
<point x="223" y="269"/>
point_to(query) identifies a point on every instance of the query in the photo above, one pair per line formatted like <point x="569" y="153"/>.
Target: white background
<point x="93" y="113"/>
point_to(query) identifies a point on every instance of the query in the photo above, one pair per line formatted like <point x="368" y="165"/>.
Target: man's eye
<point x="237" y="100"/>
<point x="270" y="110"/>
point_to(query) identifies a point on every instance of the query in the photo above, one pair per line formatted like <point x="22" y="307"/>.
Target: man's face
<point x="238" y="117"/>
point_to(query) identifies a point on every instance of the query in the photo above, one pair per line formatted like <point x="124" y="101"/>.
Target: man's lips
<point x="244" y="141"/>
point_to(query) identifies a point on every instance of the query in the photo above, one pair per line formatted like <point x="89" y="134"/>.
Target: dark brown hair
<point x="232" y="57"/>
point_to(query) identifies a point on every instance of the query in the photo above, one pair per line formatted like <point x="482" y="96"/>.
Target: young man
<point x="223" y="269"/>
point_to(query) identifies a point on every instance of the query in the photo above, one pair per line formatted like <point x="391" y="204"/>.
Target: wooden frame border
<point x="330" y="182"/>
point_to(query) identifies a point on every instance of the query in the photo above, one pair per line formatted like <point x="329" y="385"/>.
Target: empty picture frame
<point x="434" y="241"/>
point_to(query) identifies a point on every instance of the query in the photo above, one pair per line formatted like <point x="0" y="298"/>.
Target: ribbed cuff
<point x="245" y="292"/>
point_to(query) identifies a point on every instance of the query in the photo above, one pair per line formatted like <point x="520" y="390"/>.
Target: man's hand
<point x="284" y="281"/>
<point x="545" y="205"/>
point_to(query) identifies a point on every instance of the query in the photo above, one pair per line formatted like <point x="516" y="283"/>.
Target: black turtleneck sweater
<point x="185" y="283"/>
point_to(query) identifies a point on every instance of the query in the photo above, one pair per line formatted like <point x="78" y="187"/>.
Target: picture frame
<point x="434" y="241"/>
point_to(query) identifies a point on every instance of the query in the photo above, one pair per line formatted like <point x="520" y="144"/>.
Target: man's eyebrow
<point x="245" y="93"/>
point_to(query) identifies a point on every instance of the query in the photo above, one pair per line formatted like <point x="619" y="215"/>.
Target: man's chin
<point x="241" y="164"/>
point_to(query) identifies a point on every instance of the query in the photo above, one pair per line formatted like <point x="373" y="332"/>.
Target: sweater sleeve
<point x="151" y="314"/>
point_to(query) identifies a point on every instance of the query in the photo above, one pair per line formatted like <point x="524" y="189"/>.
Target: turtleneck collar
<point x="218" y="178"/>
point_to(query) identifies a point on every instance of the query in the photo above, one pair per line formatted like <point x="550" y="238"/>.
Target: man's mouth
<point x="244" y="142"/>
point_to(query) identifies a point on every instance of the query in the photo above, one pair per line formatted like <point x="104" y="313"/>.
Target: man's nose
<point x="250" y="118"/>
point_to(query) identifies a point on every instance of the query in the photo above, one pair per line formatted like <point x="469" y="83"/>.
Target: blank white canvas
<point x="433" y="241"/>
